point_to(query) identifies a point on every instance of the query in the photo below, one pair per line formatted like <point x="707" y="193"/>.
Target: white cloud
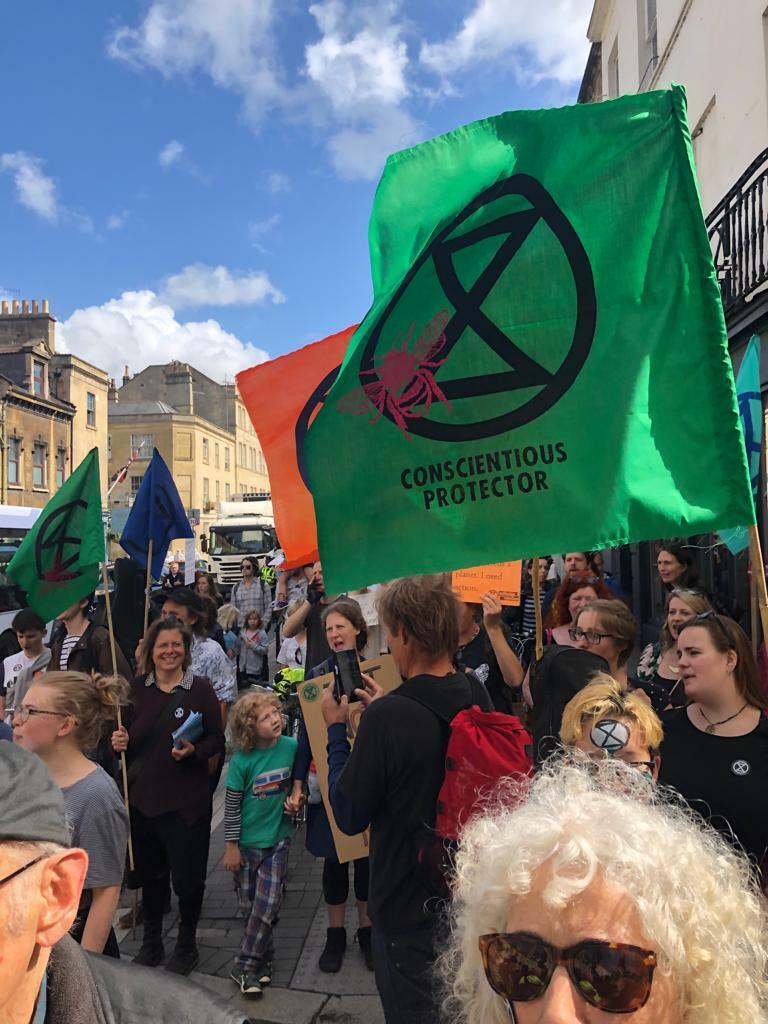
<point x="277" y="183"/>
<point x="201" y="285"/>
<point x="116" y="221"/>
<point x="257" y="230"/>
<point x="34" y="189"/>
<point x="230" y="40"/>
<point x="140" y="329"/>
<point x="359" y="65"/>
<point x="546" y="40"/>
<point x="170" y="154"/>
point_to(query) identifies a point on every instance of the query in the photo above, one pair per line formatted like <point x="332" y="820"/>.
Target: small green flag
<point x="545" y="365"/>
<point x="59" y="560"/>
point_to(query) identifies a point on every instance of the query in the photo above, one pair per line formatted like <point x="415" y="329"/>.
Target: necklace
<point x="712" y="725"/>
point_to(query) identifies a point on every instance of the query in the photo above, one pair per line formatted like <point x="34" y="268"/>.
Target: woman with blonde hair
<point x="61" y="719"/>
<point x="595" y="898"/>
<point x="658" y="661"/>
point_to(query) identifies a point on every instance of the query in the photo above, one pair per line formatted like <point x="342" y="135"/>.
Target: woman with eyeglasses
<point x="251" y="593"/>
<point x="607" y="628"/>
<point x="715" y="750"/>
<point x="61" y="719"/>
<point x="658" y="661"/>
<point x="590" y="902"/>
<point x="570" y="597"/>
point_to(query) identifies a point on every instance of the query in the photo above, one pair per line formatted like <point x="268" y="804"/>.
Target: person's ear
<point x="656" y="767"/>
<point x="67" y="726"/>
<point x="61" y="885"/>
<point x="731" y="660"/>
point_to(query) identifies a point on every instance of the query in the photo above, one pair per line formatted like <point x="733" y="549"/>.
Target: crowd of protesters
<point x="623" y="873"/>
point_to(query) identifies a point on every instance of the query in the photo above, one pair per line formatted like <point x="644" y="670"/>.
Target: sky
<point x="193" y="179"/>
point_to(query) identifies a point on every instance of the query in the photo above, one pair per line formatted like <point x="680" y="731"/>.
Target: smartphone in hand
<point x="347" y="677"/>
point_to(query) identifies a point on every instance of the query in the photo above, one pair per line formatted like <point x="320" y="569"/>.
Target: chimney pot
<point x="24" y="306"/>
<point x="45" y="305"/>
<point x="4" y="307"/>
<point x="34" y="306"/>
<point x="15" y="306"/>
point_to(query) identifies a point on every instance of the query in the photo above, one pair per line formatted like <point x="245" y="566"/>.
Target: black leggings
<point x="336" y="881"/>
<point x="167" y="850"/>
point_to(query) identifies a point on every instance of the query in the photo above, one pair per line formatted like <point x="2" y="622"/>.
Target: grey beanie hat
<point x="31" y="805"/>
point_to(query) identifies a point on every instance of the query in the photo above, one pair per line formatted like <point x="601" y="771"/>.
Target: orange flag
<point x="282" y="398"/>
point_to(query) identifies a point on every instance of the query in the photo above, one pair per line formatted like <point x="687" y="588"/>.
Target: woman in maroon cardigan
<point x="168" y="788"/>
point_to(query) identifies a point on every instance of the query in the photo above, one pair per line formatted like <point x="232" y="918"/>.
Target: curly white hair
<point x="697" y="898"/>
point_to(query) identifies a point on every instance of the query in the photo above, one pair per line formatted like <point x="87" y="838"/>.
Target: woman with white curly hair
<point x="595" y="898"/>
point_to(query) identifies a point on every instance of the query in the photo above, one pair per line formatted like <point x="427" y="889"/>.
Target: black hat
<point x="185" y="597"/>
<point x="33" y="807"/>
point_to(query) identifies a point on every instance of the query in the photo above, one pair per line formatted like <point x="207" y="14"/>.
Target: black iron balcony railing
<point x="738" y="230"/>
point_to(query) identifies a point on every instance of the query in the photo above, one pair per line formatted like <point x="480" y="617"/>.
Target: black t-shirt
<point x="395" y="770"/>
<point x="479" y="655"/>
<point x="317" y="645"/>
<point x="724" y="778"/>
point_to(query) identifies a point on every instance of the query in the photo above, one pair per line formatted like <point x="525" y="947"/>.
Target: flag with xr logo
<point x="544" y="366"/>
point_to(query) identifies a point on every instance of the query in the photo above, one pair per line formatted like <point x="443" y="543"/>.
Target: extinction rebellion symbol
<point x="398" y="372"/>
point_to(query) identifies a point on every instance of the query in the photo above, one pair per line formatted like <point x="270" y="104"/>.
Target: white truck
<point x="245" y="527"/>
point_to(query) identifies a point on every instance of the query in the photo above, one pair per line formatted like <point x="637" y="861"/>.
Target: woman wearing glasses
<point x="658" y="662"/>
<point x="61" y="718"/>
<point x="607" y="628"/>
<point x="590" y="902"/>
<point x="715" y="751"/>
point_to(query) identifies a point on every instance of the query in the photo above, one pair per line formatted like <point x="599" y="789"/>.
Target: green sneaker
<point x="264" y="973"/>
<point x="248" y="982"/>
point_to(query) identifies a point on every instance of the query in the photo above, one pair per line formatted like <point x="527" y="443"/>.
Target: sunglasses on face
<point x="590" y="635"/>
<point x="612" y="976"/>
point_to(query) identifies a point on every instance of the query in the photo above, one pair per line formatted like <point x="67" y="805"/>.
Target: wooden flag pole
<point x="753" y="609"/>
<point x="147" y="587"/>
<point x="123" y="767"/>
<point x="537" y="608"/>
<point x="758" y="576"/>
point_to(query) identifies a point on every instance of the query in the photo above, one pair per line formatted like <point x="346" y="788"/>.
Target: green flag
<point x="59" y="559"/>
<point x="544" y="366"/>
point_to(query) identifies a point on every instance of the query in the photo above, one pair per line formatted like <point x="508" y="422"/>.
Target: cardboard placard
<point x="501" y="579"/>
<point x="385" y="673"/>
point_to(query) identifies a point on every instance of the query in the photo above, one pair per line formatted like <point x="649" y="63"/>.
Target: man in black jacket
<point x="391" y="779"/>
<point x="44" y="975"/>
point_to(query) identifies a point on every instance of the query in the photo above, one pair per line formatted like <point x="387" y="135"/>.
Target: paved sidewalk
<point x="300" y="993"/>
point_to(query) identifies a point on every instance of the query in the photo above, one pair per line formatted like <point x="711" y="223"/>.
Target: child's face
<point x="253" y="622"/>
<point x="269" y="726"/>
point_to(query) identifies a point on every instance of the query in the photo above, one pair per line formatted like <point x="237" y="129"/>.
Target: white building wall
<point x="717" y="50"/>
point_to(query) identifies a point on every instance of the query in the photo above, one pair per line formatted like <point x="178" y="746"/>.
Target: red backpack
<point x="483" y="747"/>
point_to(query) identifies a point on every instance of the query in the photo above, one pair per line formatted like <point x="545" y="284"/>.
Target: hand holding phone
<point x="347" y="677"/>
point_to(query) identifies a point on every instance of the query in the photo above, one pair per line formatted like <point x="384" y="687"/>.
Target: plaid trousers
<point x="262" y="880"/>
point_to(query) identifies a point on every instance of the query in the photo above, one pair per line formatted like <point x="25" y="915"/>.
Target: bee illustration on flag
<point x="403" y="380"/>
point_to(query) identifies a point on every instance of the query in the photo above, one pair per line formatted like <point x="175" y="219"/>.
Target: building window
<point x="206" y="455"/>
<point x="218" y="491"/>
<point x="39" y="465"/>
<point x="142" y="445"/>
<point x="216" y="456"/>
<point x="227" y="491"/>
<point x="613" y="71"/>
<point x="38" y="378"/>
<point x="90" y="409"/>
<point x="14" y="460"/>
<point x="226" y="458"/>
<point x="61" y="466"/>
<point x="135" y="485"/>
<point x="206" y="491"/>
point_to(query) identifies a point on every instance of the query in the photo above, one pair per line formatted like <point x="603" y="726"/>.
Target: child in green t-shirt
<point x="258" y="827"/>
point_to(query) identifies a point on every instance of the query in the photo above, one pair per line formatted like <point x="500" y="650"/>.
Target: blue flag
<point x="751" y="417"/>
<point x="157" y="515"/>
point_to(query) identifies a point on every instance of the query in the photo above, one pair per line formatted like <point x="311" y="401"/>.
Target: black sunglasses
<point x="702" y="617"/>
<point x="612" y="976"/>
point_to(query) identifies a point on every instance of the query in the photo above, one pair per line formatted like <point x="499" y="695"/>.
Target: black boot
<point x="152" y="952"/>
<point x="364" y="941"/>
<point x="185" y="956"/>
<point x="335" y="946"/>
